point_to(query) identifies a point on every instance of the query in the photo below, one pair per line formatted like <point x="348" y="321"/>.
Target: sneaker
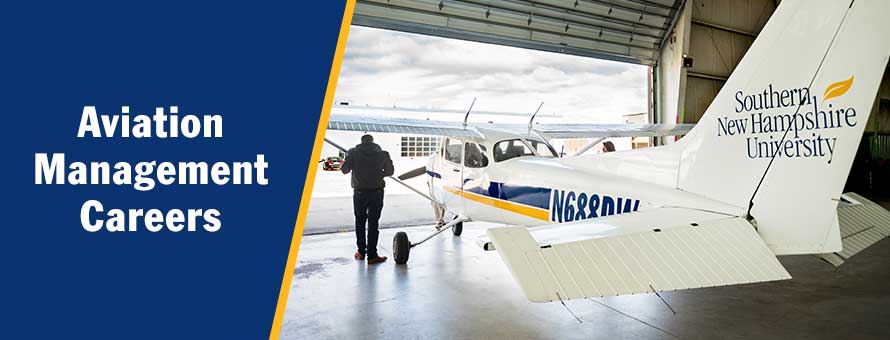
<point x="358" y="256"/>
<point x="376" y="260"/>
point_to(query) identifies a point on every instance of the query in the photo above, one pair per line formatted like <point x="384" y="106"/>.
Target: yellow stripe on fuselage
<point x="521" y="209"/>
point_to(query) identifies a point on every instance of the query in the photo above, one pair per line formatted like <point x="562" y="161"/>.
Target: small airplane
<point x="760" y="175"/>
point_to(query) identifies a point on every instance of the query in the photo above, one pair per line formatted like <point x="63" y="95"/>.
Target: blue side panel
<point x="494" y="189"/>
<point x="531" y="196"/>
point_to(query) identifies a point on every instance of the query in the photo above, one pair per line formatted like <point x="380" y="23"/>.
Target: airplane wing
<point x="456" y="129"/>
<point x="658" y="250"/>
<point x="611" y="130"/>
<point x="400" y="125"/>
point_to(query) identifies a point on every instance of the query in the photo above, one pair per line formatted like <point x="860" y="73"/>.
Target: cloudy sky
<point x="385" y="68"/>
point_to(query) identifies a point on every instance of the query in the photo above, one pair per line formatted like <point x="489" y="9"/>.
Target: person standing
<point x="369" y="164"/>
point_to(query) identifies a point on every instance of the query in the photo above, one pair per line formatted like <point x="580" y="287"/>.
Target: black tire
<point x="401" y="247"/>
<point x="457" y="229"/>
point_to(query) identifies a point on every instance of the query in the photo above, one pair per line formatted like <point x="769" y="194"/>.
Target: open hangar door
<point x="622" y="30"/>
<point x="632" y="31"/>
<point x="692" y="46"/>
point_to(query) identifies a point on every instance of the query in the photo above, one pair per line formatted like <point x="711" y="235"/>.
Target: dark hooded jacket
<point x="368" y="164"/>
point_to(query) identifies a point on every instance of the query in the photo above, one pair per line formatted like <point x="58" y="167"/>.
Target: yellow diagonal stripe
<point x="310" y="174"/>
<point x="521" y="209"/>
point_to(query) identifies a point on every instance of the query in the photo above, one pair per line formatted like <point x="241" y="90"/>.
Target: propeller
<point x="413" y="173"/>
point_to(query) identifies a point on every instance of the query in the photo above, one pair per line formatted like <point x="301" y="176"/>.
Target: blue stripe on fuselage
<point x="567" y="205"/>
<point x="530" y="196"/>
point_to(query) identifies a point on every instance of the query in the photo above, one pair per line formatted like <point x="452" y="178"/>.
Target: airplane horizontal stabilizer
<point x="862" y="223"/>
<point x="719" y="252"/>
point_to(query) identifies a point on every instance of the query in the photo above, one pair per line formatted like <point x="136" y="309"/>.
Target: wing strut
<point x="393" y="178"/>
<point x="588" y="146"/>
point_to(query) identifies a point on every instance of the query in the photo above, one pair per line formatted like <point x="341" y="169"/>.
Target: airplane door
<point x="452" y="174"/>
<point x="475" y="180"/>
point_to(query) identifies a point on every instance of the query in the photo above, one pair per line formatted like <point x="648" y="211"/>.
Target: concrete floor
<point x="452" y="289"/>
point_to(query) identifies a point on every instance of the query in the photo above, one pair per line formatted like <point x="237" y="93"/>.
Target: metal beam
<point x="604" y="17"/>
<point x="552" y="12"/>
<point x="723" y="28"/>
<point x="651" y="4"/>
<point x="673" y="23"/>
<point x="627" y="9"/>
<point x="484" y="8"/>
<point x="706" y="76"/>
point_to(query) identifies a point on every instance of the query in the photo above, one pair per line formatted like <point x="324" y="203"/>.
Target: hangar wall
<point x="721" y="32"/>
<point x="879" y="121"/>
<point x="715" y="34"/>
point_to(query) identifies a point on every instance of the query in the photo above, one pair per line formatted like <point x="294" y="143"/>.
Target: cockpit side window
<point x="453" y="150"/>
<point x="474" y="156"/>
<point x="513" y="148"/>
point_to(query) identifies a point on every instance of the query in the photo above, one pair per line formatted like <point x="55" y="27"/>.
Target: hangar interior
<point x="453" y="289"/>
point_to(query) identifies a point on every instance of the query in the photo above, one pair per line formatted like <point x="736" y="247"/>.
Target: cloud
<point x="385" y="68"/>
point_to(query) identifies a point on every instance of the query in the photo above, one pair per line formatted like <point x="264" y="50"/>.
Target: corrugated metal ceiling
<point x="622" y="30"/>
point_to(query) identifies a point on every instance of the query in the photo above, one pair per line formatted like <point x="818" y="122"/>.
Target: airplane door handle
<point x="455" y="170"/>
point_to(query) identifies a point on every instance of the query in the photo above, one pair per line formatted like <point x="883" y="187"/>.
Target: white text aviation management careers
<point x="146" y="175"/>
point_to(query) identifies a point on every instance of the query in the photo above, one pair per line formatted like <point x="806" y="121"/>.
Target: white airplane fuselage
<point x="543" y="190"/>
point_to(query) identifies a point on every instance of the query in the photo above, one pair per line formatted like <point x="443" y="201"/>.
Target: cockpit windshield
<point x="513" y="148"/>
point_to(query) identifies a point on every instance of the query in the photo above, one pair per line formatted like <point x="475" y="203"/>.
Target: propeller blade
<point x="413" y="173"/>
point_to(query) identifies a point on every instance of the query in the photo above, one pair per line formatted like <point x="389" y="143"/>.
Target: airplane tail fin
<point x="780" y="137"/>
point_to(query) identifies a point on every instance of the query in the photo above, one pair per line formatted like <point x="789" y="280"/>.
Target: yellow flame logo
<point x="837" y="89"/>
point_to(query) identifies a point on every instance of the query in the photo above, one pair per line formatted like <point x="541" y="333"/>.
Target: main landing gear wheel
<point x="457" y="228"/>
<point x="401" y="247"/>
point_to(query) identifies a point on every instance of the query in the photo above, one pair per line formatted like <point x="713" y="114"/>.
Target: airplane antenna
<point x="530" y="121"/>
<point x="468" y="111"/>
